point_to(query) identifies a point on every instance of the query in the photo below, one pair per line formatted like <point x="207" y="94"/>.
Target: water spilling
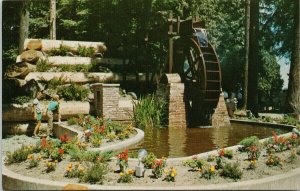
<point x="181" y="142"/>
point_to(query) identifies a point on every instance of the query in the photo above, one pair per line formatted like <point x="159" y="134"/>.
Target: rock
<point x="31" y="56"/>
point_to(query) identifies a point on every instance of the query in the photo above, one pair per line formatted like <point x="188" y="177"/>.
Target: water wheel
<point x="199" y="68"/>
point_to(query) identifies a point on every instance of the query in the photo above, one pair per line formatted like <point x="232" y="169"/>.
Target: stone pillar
<point x="172" y="90"/>
<point x="106" y="98"/>
<point x="220" y="118"/>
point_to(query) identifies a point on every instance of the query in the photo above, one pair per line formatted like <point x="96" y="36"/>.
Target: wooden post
<point x="170" y="33"/>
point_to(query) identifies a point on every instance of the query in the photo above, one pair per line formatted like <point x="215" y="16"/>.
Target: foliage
<point x="232" y="170"/>
<point x="288" y="120"/>
<point x="228" y="154"/>
<point x="211" y="158"/>
<point x="148" y="160"/>
<point x="73" y="92"/>
<point x="61" y="51"/>
<point x="273" y="160"/>
<point x="158" y="166"/>
<point x="43" y="65"/>
<point x="170" y="174"/>
<point x="21" y="100"/>
<point x="252" y="165"/>
<point x="19" y="155"/>
<point x="126" y="177"/>
<point x="86" y="51"/>
<point x="253" y="152"/>
<point x="56" y="154"/>
<point x="50" y="166"/>
<point x="208" y="172"/>
<point x="75" y="171"/>
<point x="249" y="141"/>
<point x="149" y="112"/>
<point x="73" y="68"/>
<point x="292" y="156"/>
<point x="34" y="160"/>
<point x="194" y="163"/>
<point x="72" y="121"/>
<point x="123" y="160"/>
<point x="54" y="82"/>
<point x="95" y="173"/>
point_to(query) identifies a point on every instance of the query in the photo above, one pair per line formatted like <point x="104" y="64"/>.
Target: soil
<point x="185" y="176"/>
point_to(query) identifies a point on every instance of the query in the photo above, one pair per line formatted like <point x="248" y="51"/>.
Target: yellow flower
<point x="253" y="162"/>
<point x="166" y="171"/>
<point x="70" y="165"/>
<point x="164" y="158"/>
<point x="56" y="161"/>
<point x="173" y="174"/>
<point x="121" y="174"/>
<point x="212" y="169"/>
<point x="49" y="164"/>
<point x="39" y="157"/>
<point x="76" y="165"/>
<point x="199" y="170"/>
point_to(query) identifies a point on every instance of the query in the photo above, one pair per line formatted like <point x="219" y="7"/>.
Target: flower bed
<point x="252" y="161"/>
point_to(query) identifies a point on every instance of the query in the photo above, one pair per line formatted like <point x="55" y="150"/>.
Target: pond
<point x="180" y="142"/>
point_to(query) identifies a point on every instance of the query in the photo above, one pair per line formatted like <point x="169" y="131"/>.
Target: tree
<point x="53" y="19"/>
<point x="269" y="81"/>
<point x="247" y="25"/>
<point x="253" y="57"/>
<point x="24" y="24"/>
<point x="293" y="94"/>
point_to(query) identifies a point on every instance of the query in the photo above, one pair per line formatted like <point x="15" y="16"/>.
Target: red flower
<point x="294" y="136"/>
<point x="221" y="153"/>
<point x="281" y="140"/>
<point x="102" y="128"/>
<point x="64" y="138"/>
<point x="275" y="138"/>
<point x="44" y="142"/>
<point x="61" y="151"/>
<point x="123" y="155"/>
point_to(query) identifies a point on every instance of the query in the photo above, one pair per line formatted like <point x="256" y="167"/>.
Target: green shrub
<point x="43" y="65"/>
<point x="21" y="100"/>
<point x="19" y="155"/>
<point x="126" y="177"/>
<point x="288" y="120"/>
<point x="95" y="173"/>
<point x="86" y="51"/>
<point x="72" y="121"/>
<point x="292" y="156"/>
<point x="73" y="92"/>
<point x="61" y="51"/>
<point x="74" y="68"/>
<point x="249" y="141"/>
<point x="55" y="82"/>
<point x="228" y="154"/>
<point x="208" y="172"/>
<point x="232" y="170"/>
<point x="194" y="163"/>
<point x="273" y="160"/>
<point x="148" y="160"/>
<point x="211" y="158"/>
<point x="150" y="112"/>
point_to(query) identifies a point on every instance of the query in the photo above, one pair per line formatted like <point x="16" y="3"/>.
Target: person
<point x="37" y="109"/>
<point x="202" y="37"/>
<point x="52" y="108"/>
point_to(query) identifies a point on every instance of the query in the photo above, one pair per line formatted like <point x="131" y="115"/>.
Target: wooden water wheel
<point x="199" y="68"/>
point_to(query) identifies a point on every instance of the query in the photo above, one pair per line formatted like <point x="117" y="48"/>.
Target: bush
<point x="61" y="51"/>
<point x="72" y="121"/>
<point x="19" y="155"/>
<point x="75" y="171"/>
<point x="148" y="160"/>
<point x="43" y="65"/>
<point x="126" y="177"/>
<point x="55" y="82"/>
<point x="21" y="100"/>
<point x="228" y="154"/>
<point x="249" y="141"/>
<point x="95" y="174"/>
<point x="195" y="163"/>
<point x="149" y="112"/>
<point x="73" y="92"/>
<point x="86" y="51"/>
<point x="211" y="158"/>
<point x="232" y="170"/>
<point x="273" y="160"/>
<point x="288" y="120"/>
<point x="208" y="172"/>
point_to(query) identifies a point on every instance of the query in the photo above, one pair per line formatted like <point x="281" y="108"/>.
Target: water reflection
<point x="179" y="142"/>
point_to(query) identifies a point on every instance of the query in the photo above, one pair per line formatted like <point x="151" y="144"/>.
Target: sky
<point x="284" y="70"/>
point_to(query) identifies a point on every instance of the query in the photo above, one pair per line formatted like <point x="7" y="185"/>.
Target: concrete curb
<point x="289" y="180"/>
<point x="60" y="129"/>
<point x="265" y="124"/>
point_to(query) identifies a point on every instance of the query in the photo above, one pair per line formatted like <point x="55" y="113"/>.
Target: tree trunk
<point x="24" y="24"/>
<point x="53" y="19"/>
<point x="293" y="94"/>
<point x="247" y="24"/>
<point x="253" y="57"/>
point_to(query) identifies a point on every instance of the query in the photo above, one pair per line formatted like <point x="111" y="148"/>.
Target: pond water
<point x="180" y="142"/>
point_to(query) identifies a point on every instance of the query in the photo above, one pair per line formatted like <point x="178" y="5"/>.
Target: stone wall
<point x="220" y="118"/>
<point x="108" y="102"/>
